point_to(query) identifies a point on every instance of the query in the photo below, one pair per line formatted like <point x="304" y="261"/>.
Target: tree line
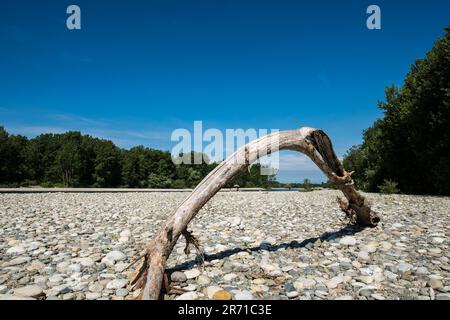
<point x="72" y="159"/>
<point x="408" y="149"/>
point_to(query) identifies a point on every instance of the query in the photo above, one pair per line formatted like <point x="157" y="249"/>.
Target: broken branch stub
<point x="314" y="143"/>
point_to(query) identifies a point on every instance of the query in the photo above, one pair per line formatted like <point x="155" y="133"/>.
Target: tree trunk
<point x="312" y="142"/>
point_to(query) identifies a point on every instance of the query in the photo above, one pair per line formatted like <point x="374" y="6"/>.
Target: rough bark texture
<point x="314" y="143"/>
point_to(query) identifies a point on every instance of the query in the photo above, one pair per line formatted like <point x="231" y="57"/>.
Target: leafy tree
<point x="411" y="143"/>
<point x="107" y="165"/>
<point x="12" y="161"/>
<point x="75" y="160"/>
<point x="388" y="187"/>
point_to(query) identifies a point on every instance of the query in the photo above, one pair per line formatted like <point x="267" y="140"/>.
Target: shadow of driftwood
<point x="327" y="236"/>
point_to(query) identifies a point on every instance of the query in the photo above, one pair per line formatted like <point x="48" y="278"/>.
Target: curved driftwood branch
<point x="314" y="143"/>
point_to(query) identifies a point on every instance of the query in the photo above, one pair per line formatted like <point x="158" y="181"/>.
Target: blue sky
<point x="137" y="70"/>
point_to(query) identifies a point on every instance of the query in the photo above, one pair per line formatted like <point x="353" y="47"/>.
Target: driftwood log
<point x="314" y="143"/>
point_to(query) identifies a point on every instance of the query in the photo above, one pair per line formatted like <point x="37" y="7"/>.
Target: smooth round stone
<point x="304" y="283"/>
<point x="334" y="282"/>
<point x="121" y="292"/>
<point x="366" y="291"/>
<point x="117" y="284"/>
<point x="69" y="296"/>
<point x="28" y="291"/>
<point x="435" y="251"/>
<point x="62" y="266"/>
<point x="192" y="273"/>
<point x="292" y="294"/>
<point x="363" y="256"/>
<point x="243" y="295"/>
<point x="346" y="297"/>
<point x="203" y="280"/>
<point x="435" y="283"/>
<point x="16" y="250"/>
<point x="178" y="276"/>
<point x="115" y="256"/>
<point x="93" y="295"/>
<point x="12" y="297"/>
<point x="96" y="287"/>
<point x="188" y="296"/>
<point x="190" y="287"/>
<point x="74" y="268"/>
<point x="404" y="268"/>
<point x="442" y="296"/>
<point x="229" y="277"/>
<point x="377" y="296"/>
<point x="222" y="295"/>
<point x="120" y="266"/>
<point x="86" y="262"/>
<point x="125" y="233"/>
<point x="422" y="271"/>
<point x="259" y="281"/>
<point x="36" y="266"/>
<point x="209" y="291"/>
<point x="347" y="241"/>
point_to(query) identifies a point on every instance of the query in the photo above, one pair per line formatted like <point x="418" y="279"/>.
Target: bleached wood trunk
<point x="312" y="142"/>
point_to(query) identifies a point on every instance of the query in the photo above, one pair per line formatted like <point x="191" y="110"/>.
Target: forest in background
<point x="72" y="159"/>
<point x="408" y="149"/>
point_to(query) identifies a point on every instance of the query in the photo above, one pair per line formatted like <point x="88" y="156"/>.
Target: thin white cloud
<point x="296" y="162"/>
<point x="75" y="120"/>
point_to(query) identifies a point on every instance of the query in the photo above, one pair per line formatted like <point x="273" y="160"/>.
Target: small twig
<point x="134" y="261"/>
<point x="190" y="239"/>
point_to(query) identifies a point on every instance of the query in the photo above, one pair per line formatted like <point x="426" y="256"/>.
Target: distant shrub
<point x="47" y="184"/>
<point x="388" y="187"/>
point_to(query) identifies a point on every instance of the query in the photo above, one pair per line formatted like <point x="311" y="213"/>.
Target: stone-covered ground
<point x="259" y="245"/>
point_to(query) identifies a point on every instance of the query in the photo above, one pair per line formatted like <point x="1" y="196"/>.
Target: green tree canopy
<point x="410" y="145"/>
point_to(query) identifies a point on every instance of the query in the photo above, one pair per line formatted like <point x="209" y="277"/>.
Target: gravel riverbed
<point x="258" y="245"/>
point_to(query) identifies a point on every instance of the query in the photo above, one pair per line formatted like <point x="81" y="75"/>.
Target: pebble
<point x="346" y="297"/>
<point x="348" y="241"/>
<point x="229" y="277"/>
<point x="192" y="273"/>
<point x="16" y="261"/>
<point x="363" y="256"/>
<point x="16" y="250"/>
<point x="211" y="290"/>
<point x="78" y="246"/>
<point x="292" y="294"/>
<point x="203" y="280"/>
<point x="377" y="296"/>
<point x="222" y="295"/>
<point x="304" y="283"/>
<point x="86" y="262"/>
<point x="404" y="268"/>
<point x="28" y="291"/>
<point x="243" y="295"/>
<point x="115" y="256"/>
<point x="188" y="296"/>
<point x="93" y="295"/>
<point x="178" y="276"/>
<point x="12" y="297"/>
<point x="442" y="296"/>
<point x="121" y="292"/>
<point x="435" y="283"/>
<point x="117" y="284"/>
<point x="366" y="291"/>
